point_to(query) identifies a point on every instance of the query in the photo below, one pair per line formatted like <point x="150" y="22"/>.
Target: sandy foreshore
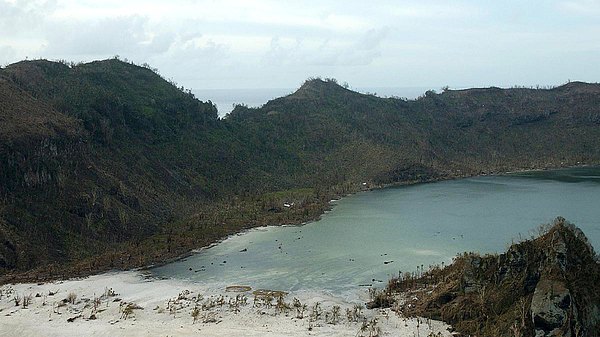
<point x="127" y="304"/>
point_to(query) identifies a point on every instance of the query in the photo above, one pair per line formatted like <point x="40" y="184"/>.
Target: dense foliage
<point x="106" y="158"/>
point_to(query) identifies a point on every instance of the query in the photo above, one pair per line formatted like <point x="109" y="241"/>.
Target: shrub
<point x="71" y="298"/>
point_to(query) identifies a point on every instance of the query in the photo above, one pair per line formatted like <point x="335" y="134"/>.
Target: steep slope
<point x="341" y="135"/>
<point x="542" y="287"/>
<point x="99" y="157"/>
<point x="498" y="129"/>
<point x="363" y="137"/>
<point x="94" y="165"/>
<point x="38" y="147"/>
<point x="105" y="161"/>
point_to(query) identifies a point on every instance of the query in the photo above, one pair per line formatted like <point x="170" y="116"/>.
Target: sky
<point x="278" y="44"/>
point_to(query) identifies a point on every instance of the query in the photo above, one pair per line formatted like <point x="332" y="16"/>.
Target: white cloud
<point x="442" y="10"/>
<point x="235" y="43"/>
<point x="372" y="39"/>
<point x="129" y="35"/>
<point x="581" y="7"/>
<point x="7" y="54"/>
<point x="359" y="50"/>
<point x="22" y="18"/>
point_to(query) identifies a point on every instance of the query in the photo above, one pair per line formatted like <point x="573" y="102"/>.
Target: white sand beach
<point x="127" y="304"/>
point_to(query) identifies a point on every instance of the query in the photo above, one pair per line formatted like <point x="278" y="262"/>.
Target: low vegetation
<point x="545" y="286"/>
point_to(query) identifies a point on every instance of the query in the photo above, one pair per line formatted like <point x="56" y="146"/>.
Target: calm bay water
<point x="371" y="236"/>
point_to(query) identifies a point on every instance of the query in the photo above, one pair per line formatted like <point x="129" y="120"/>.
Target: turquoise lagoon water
<point x="371" y="236"/>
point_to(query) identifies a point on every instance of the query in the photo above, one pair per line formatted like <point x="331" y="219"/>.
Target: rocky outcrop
<point x="544" y="287"/>
<point x="552" y="309"/>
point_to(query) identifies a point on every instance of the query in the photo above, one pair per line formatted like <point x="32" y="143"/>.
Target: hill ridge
<point x="141" y="164"/>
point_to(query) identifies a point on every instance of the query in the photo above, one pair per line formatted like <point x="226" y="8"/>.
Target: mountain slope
<point x="99" y="170"/>
<point x="105" y="161"/>
<point x="456" y="132"/>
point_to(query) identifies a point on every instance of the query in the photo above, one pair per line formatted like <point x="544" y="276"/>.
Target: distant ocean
<point x="225" y="99"/>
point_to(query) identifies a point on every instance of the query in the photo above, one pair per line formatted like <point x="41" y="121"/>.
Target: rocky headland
<point x="544" y="286"/>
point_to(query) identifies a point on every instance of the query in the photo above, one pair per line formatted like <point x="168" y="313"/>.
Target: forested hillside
<point x="107" y="165"/>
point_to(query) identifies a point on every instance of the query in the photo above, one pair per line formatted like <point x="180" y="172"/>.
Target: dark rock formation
<point x="548" y="286"/>
<point x="552" y="309"/>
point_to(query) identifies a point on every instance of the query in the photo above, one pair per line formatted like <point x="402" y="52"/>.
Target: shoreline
<point x="126" y="304"/>
<point x="56" y="315"/>
<point x="45" y="276"/>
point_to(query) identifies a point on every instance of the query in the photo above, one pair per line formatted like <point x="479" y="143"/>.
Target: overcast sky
<point x="273" y="44"/>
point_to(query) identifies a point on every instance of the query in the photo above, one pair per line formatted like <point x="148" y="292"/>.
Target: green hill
<point x="108" y="165"/>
